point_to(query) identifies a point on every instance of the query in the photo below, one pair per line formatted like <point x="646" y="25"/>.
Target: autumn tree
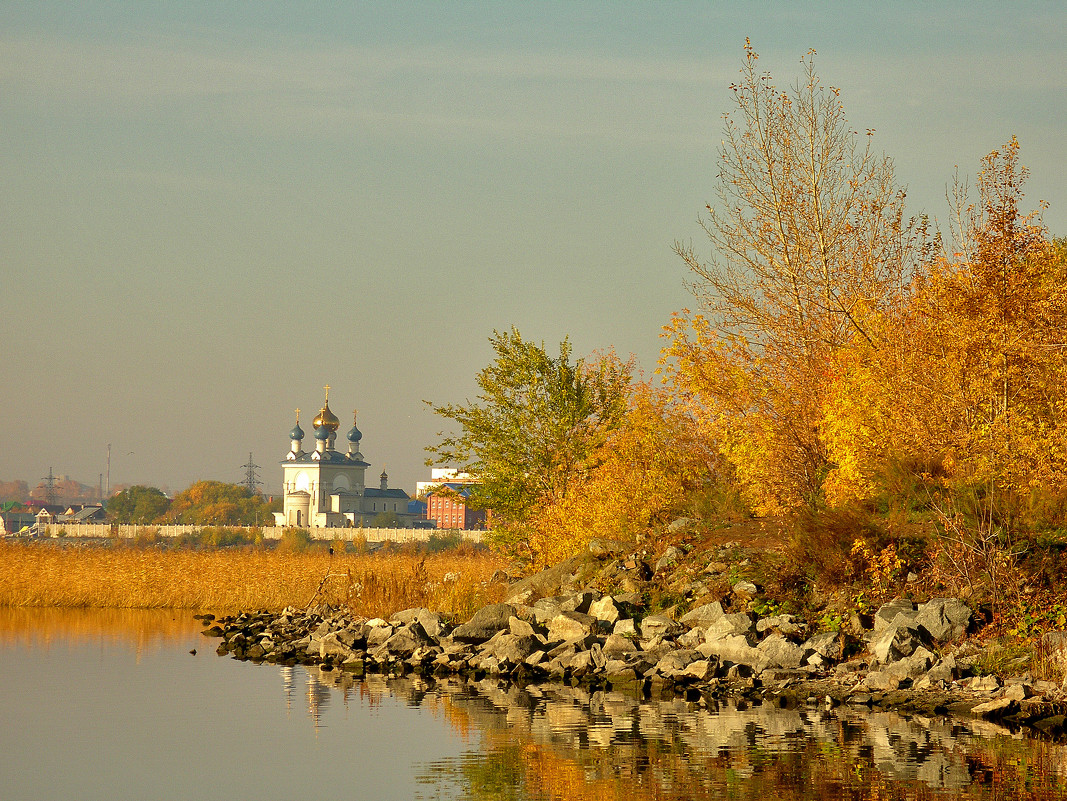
<point x="809" y="246"/>
<point x="965" y="385"/>
<point x="998" y="313"/>
<point x="138" y="504"/>
<point x="644" y="472"/>
<point x="218" y="503"/>
<point x="534" y="428"/>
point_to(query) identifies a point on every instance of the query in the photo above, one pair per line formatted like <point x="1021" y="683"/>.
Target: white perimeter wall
<point x="269" y="532"/>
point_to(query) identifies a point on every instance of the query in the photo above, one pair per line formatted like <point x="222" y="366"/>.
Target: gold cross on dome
<point x="327" y="388"/>
<point x="354" y="413"/>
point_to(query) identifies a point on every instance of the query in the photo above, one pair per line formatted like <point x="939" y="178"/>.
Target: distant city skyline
<point x="210" y="211"/>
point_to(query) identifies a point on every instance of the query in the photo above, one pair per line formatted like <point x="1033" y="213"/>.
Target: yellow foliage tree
<point x="644" y="471"/>
<point x="968" y="375"/>
<point x="809" y="244"/>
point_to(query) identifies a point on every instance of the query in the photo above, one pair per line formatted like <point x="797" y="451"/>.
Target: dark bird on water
<point x="193" y="652"/>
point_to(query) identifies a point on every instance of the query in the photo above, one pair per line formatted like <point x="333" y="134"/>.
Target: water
<point x="110" y="705"/>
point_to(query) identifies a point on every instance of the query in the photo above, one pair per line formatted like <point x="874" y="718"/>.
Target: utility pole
<point x="107" y="489"/>
<point x="251" y="481"/>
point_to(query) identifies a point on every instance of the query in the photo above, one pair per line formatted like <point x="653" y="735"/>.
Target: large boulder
<point x="786" y="625"/>
<point x="778" y="652"/>
<point x="569" y="626"/>
<point x="486" y="622"/>
<point x="736" y="623"/>
<point x="828" y="645"/>
<point x="548" y="582"/>
<point x="605" y="609"/>
<point x="897" y="640"/>
<point x="432" y="622"/>
<point x="944" y="619"/>
<point x="734" y="649"/>
<point x="660" y="626"/>
<point x="703" y="616"/>
<point x="616" y="646"/>
<point x="888" y="612"/>
<point x="406" y="639"/>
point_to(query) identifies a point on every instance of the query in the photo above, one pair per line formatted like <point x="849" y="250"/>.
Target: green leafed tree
<point x="535" y="427"/>
<point x="138" y="504"/>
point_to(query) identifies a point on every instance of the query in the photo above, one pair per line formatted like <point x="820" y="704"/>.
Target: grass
<point x="35" y="575"/>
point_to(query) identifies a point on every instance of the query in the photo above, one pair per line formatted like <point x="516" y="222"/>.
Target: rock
<point x="570" y="626"/>
<point x="703" y="616"/>
<point x="406" y="639"/>
<point x="912" y="666"/>
<point x="830" y="645"/>
<point x="378" y="631"/>
<point x="576" y="602"/>
<point x="545" y="609"/>
<point x="736" y="623"/>
<point x="888" y="612"/>
<point x="715" y="568"/>
<point x="997" y="708"/>
<point x="943" y="619"/>
<point x="700" y="669"/>
<point x="778" y="652"/>
<point x="601" y="548"/>
<point x="881" y="680"/>
<point x="734" y="649"/>
<point x="944" y="671"/>
<point x="786" y="625"/>
<point x="745" y="588"/>
<point x="1017" y="691"/>
<point x="675" y="662"/>
<point x="617" y="646"/>
<point x="670" y="557"/>
<point x="431" y="622"/>
<point x="519" y="627"/>
<point x="548" y="582"/>
<point x="627" y="628"/>
<point x="659" y="625"/>
<point x="486" y="622"/>
<point x="896" y="641"/>
<point x="606" y="610"/>
<point x="681" y="524"/>
<point x="691" y="638"/>
<point x="982" y="684"/>
<point x="511" y="649"/>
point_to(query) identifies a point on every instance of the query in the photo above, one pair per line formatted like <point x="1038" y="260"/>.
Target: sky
<point x="211" y="210"/>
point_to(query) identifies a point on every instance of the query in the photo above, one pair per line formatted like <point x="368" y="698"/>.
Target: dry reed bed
<point x="37" y="575"/>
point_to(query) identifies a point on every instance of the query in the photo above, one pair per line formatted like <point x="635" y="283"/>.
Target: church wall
<point x="269" y="532"/>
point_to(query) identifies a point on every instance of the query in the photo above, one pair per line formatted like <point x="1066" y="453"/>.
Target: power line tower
<point x="50" y="488"/>
<point x="251" y="481"/>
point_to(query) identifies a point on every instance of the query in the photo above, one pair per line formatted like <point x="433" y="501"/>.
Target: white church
<point x="325" y="488"/>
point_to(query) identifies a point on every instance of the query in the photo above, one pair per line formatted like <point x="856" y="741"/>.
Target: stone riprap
<point x="549" y="629"/>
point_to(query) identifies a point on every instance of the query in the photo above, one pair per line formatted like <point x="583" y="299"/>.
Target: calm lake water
<point x="111" y="705"/>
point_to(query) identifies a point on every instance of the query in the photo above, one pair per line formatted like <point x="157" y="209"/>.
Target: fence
<point x="130" y="531"/>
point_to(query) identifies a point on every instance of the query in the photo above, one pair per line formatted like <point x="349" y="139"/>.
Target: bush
<point x="444" y="541"/>
<point x="294" y="540"/>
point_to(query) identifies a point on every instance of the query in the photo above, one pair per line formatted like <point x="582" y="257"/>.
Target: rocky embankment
<point x="555" y="626"/>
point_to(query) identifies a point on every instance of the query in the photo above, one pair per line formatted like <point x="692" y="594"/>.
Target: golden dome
<point x="325" y="416"/>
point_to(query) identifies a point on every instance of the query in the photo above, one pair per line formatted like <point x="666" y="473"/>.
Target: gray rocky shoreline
<point x="553" y="627"/>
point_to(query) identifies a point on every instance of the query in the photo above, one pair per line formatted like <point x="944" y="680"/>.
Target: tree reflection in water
<point x="561" y="742"/>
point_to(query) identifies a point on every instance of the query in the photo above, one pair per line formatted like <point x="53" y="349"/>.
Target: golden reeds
<point x="39" y="575"/>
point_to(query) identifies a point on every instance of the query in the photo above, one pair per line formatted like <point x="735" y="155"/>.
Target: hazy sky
<point x="209" y="210"/>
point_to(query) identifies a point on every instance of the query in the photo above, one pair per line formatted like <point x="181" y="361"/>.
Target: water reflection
<point x="285" y="729"/>
<point x="558" y="741"/>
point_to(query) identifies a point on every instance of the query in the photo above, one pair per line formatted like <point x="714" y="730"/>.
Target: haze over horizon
<point x="211" y="211"/>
